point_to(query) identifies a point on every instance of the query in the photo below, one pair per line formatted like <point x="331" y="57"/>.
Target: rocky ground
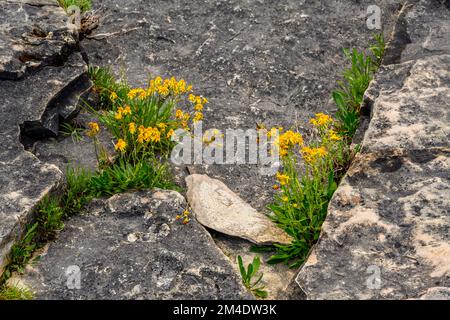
<point x="257" y="62"/>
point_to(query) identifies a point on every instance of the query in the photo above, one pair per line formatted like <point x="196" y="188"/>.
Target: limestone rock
<point x="389" y="219"/>
<point x="386" y="233"/>
<point x="437" y="293"/>
<point x="42" y="78"/>
<point x="24" y="181"/>
<point x="130" y="246"/>
<point x="215" y="206"/>
<point x="33" y="34"/>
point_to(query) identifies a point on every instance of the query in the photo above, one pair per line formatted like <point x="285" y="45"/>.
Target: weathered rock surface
<point x="272" y="62"/>
<point x="78" y="152"/>
<point x="41" y="79"/>
<point x="217" y="207"/>
<point x="387" y="232"/>
<point x="437" y="293"/>
<point x="131" y="247"/>
<point x="33" y="34"/>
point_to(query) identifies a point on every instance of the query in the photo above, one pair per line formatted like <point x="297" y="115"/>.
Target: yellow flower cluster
<point x="122" y="112"/>
<point x="94" y="129"/>
<point x="283" y="179"/>
<point x="148" y="134"/>
<point x="140" y="115"/>
<point x="163" y="87"/>
<point x="321" y="120"/>
<point x="311" y="155"/>
<point x="287" y="140"/>
<point x="333" y="136"/>
<point x="184" y="216"/>
<point x="120" y="145"/>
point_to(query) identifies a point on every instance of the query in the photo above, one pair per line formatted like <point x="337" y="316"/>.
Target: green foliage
<point x="378" y="48"/>
<point x="105" y="83"/>
<point x="301" y="207"/>
<point x="73" y="131"/>
<point x="76" y="193"/>
<point x="15" y="293"/>
<point x="84" y="5"/>
<point x="125" y="176"/>
<point x="350" y="93"/>
<point x="22" y="251"/>
<point x="49" y="217"/>
<point x="248" y="274"/>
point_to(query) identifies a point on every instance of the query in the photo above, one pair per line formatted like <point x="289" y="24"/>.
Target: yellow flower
<point x="192" y="98"/>
<point x="275" y="187"/>
<point x="198" y="116"/>
<point x="311" y="155"/>
<point x="134" y="92"/>
<point x="321" y="120"/>
<point x="132" y="127"/>
<point x="118" y="115"/>
<point x="333" y="136"/>
<point x="198" y="107"/>
<point x="162" y="126"/>
<point x="120" y="145"/>
<point x="282" y="178"/>
<point x="163" y="90"/>
<point x="170" y="133"/>
<point x="204" y="100"/>
<point x="149" y="134"/>
<point x="179" y="114"/>
<point x="158" y="81"/>
<point x="285" y="198"/>
<point x="287" y="140"/>
<point x="189" y="88"/>
<point x="113" y="96"/>
<point x="95" y="129"/>
<point x="127" y="110"/>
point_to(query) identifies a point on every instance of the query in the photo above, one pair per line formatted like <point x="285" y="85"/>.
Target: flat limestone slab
<point x="388" y="220"/>
<point x="218" y="208"/>
<point x="131" y="246"/>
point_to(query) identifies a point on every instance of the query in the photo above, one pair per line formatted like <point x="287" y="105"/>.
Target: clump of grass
<point x="15" y="293"/>
<point x="22" y="252"/>
<point x="84" y="5"/>
<point x="73" y="131"/>
<point x="76" y="193"/>
<point x="301" y="206"/>
<point x="49" y="217"/>
<point x="105" y="83"/>
<point x="125" y="176"/>
<point x="248" y="274"/>
<point x="349" y="96"/>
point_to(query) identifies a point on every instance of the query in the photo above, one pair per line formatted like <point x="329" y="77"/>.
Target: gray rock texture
<point x="387" y="232"/>
<point x="272" y="62"/>
<point x="130" y="246"/>
<point x="33" y="34"/>
<point x="41" y="78"/>
<point x="217" y="207"/>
